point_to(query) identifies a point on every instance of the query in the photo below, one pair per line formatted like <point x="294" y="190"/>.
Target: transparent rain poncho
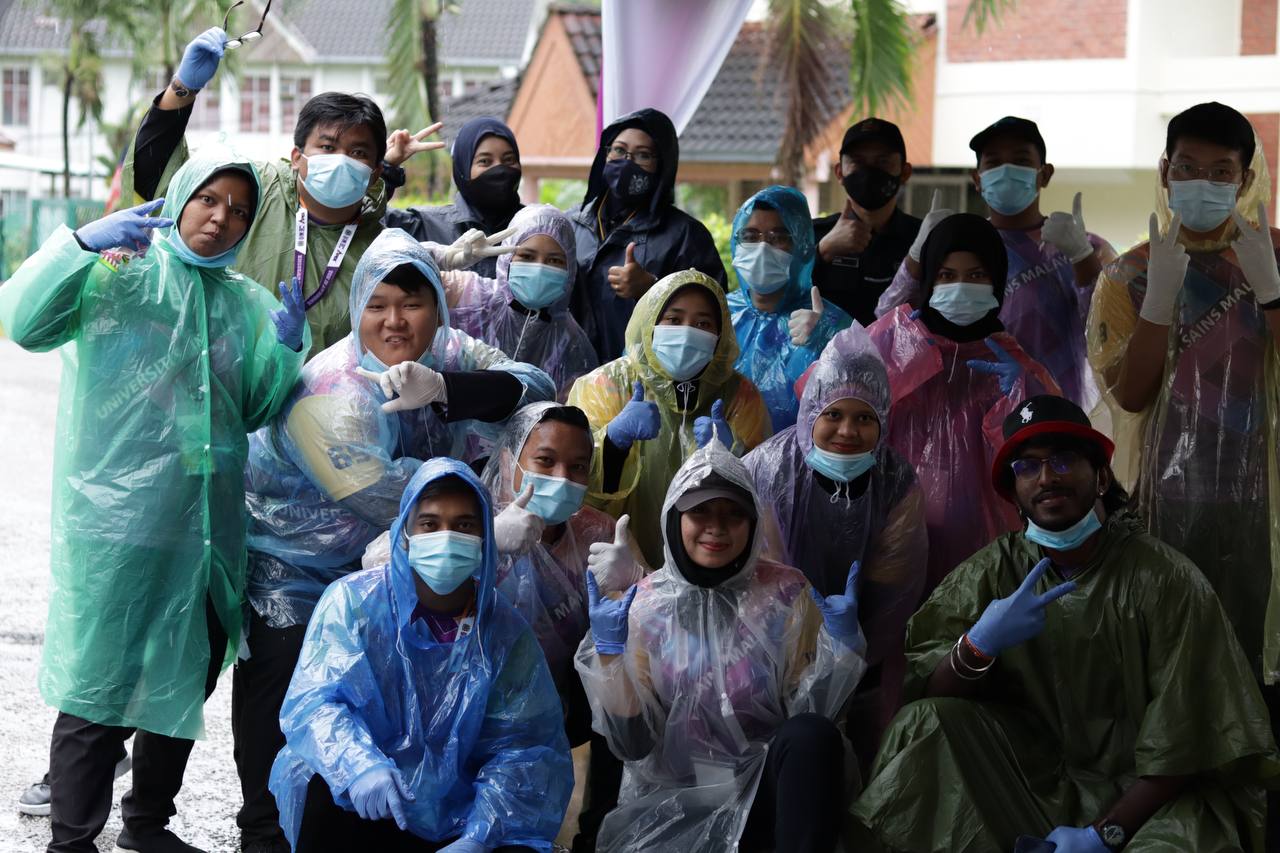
<point x="166" y="368"/>
<point x="325" y="477"/>
<point x="768" y="357"/>
<point x="473" y="726"/>
<point x="707" y="677"/>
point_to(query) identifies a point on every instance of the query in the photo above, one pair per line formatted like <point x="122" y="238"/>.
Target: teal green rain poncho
<point x="166" y="368"/>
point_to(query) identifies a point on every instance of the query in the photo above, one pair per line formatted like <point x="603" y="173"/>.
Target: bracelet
<point x="975" y="651"/>
<point x="978" y="671"/>
<point x="951" y="659"/>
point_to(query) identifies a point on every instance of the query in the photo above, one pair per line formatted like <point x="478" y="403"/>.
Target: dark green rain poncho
<point x="166" y="369"/>
<point x="1137" y="673"/>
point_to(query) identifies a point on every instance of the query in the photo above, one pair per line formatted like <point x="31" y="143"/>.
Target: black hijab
<point x="657" y="125"/>
<point x="964" y="232"/>
<point x="495" y="217"/>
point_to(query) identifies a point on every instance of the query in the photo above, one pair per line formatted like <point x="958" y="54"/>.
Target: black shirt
<point x="855" y="282"/>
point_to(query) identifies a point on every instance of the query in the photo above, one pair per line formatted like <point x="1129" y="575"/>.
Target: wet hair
<point x="1216" y="123"/>
<point x="234" y="172"/>
<point x="410" y="279"/>
<point x="345" y="111"/>
<point x="571" y="415"/>
<point x="1115" y="498"/>
<point x="449" y="485"/>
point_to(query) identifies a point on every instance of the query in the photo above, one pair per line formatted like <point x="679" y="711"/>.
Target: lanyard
<point x="335" y="260"/>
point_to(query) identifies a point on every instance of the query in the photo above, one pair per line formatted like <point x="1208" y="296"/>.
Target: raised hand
<point x="804" y="320"/>
<point x="612" y="563"/>
<point x="1066" y="231"/>
<point x="630" y="281"/>
<point x="840" y="612"/>
<point x="638" y="421"/>
<point x="704" y="427"/>
<point x="1008" y="622"/>
<point x="401" y="145"/>
<point x="935" y="215"/>
<point x="1166" y="269"/>
<point x="416" y="386"/>
<point x="1256" y="256"/>
<point x="608" y="618"/>
<point x="849" y="236"/>
<point x="127" y="229"/>
<point x="516" y="529"/>
<point x="290" y="319"/>
<point x="201" y="57"/>
<point x="1007" y="370"/>
<point x="474" y="245"/>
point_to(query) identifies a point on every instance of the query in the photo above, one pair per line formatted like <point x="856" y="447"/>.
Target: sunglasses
<point x="249" y="37"/>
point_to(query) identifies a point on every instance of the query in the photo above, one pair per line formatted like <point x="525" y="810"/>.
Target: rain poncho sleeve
<point x="166" y="368"/>
<point x="473" y="726"/>
<point x="1137" y="673"/>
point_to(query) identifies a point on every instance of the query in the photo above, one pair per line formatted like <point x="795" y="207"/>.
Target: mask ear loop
<point x="528" y="318"/>
<point x="684" y="389"/>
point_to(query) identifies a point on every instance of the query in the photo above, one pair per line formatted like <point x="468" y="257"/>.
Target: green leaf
<point x="882" y="51"/>
<point x="983" y="13"/>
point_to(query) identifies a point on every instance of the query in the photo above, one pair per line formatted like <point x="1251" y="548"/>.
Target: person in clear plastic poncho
<point x="955" y="373"/>
<point x="719" y="686"/>
<point x="421" y="707"/>
<point x="656" y="404"/>
<point x="524" y="311"/>
<point x="836" y="493"/>
<point x="1184" y="345"/>
<point x="169" y="361"/>
<point x="781" y="322"/>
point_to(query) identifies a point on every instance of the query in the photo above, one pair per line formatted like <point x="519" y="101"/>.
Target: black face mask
<point x="494" y="189"/>
<point x="628" y="183"/>
<point x="871" y="188"/>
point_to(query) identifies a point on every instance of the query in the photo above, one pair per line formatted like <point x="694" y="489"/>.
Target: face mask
<point x="840" y="467"/>
<point x="1009" y="189"/>
<point x="183" y="251"/>
<point x="1204" y="205"/>
<point x="554" y="499"/>
<point x="964" y="303"/>
<point x="871" y="188"/>
<point x="763" y="268"/>
<point x="1065" y="540"/>
<point x="628" y="182"/>
<point x="445" y="559"/>
<point x="495" y="189"/>
<point x="683" y="351"/>
<point x="536" y="285"/>
<point x="335" y="180"/>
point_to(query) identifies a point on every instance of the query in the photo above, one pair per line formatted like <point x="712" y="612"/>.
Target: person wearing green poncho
<point x="169" y="360"/>
<point x="1098" y="700"/>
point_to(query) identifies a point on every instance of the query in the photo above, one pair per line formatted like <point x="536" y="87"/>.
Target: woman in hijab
<point x="955" y="373"/>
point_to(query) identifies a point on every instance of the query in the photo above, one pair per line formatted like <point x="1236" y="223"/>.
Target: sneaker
<point x="35" y="800"/>
<point x="163" y="841"/>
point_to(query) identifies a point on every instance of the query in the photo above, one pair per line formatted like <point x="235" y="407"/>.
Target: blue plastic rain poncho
<point x="166" y="368"/>
<point x="768" y="357"/>
<point x="707" y="677"/>
<point x="547" y="583"/>
<point x="473" y="726"/>
<point x="551" y="339"/>
<point x="325" y="477"/>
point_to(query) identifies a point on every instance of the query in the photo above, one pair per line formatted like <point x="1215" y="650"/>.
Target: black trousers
<point x="327" y="827"/>
<point x="800" y="802"/>
<point x="82" y="761"/>
<point x="257" y="692"/>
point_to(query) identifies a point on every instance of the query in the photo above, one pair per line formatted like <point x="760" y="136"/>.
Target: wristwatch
<point x="1113" y="835"/>
<point x="180" y="90"/>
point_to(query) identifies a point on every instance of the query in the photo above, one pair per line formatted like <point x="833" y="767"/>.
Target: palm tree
<point x="413" y="71"/>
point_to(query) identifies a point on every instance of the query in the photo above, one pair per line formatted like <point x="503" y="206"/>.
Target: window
<point x="255" y="105"/>
<point x="17" y="97"/>
<point x="206" y="113"/>
<point x="294" y="92"/>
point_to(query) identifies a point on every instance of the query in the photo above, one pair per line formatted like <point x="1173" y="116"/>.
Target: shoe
<point x="276" y="846"/>
<point x="35" y="800"/>
<point x="163" y="841"/>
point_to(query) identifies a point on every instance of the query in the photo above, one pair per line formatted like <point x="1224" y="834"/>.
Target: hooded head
<point x="647" y="313"/>
<point x="499" y="472"/>
<point x="850" y="367"/>
<point x="965" y="317"/>
<point x="546" y="220"/>
<point x="193" y="175"/>
<point x="658" y="126"/>
<point x="391" y="249"/>
<point x="793" y="208"/>
<point x="501" y="196"/>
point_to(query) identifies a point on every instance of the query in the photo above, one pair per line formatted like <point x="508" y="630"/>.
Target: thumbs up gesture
<point x="516" y="529"/>
<point x="1066" y="232"/>
<point x="840" y="612"/>
<point x="804" y="320"/>
<point x="611" y="564"/>
<point x="638" y="421"/>
<point x="630" y="281"/>
<point x="935" y="215"/>
<point x="704" y="428"/>
<point x="608" y="618"/>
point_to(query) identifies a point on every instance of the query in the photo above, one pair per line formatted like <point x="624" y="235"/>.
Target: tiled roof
<point x="492" y="100"/>
<point x="487" y="30"/>
<point x="26" y="29"/>
<point x="582" y="23"/>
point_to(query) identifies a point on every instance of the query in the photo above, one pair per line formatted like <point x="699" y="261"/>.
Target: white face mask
<point x="963" y="303"/>
<point x="761" y="267"/>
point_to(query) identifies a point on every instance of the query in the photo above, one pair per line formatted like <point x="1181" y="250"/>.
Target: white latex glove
<point x="933" y="217"/>
<point x="515" y="529"/>
<point x="803" y="321"/>
<point x="474" y="245"/>
<point x="416" y="385"/>
<point x="1256" y="256"/>
<point x="1066" y="231"/>
<point x="1166" y="269"/>
<point x="612" y="563"/>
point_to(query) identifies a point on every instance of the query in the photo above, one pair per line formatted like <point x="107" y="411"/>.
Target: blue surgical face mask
<point x="761" y="267"/>
<point x="1204" y="205"/>
<point x="554" y="499"/>
<point x="445" y="559"/>
<point x="840" y="467"/>
<point x="1010" y="189"/>
<point x="963" y="303"/>
<point x="683" y="351"/>
<point x="188" y="256"/>
<point x="1065" y="540"/>
<point x="336" y="180"/>
<point x="536" y="285"/>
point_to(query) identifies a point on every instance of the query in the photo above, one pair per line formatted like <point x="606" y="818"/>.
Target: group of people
<point x="837" y="558"/>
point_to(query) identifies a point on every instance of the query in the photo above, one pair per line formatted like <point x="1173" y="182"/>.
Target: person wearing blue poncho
<point x="422" y="715"/>
<point x="781" y="321"/>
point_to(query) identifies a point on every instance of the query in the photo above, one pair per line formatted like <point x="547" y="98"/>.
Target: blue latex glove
<point x="292" y="317"/>
<point x="1006" y="370"/>
<point x="702" y="426"/>
<point x="638" y="420"/>
<point x="840" y="612"/>
<point x="377" y="794"/>
<point x="200" y="59"/>
<point x="1072" y="839"/>
<point x="127" y="229"/>
<point x="608" y="618"/>
<point x="1009" y="621"/>
<point x="464" y="845"/>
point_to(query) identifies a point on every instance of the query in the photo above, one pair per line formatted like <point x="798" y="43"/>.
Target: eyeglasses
<point x="777" y="239"/>
<point x="1059" y="463"/>
<point x="642" y="157"/>
<point x="249" y="37"/>
<point x="1217" y="174"/>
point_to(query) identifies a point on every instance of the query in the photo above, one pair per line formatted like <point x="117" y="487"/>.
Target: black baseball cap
<point x="1019" y="128"/>
<point x="874" y="130"/>
<point x="1044" y="414"/>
